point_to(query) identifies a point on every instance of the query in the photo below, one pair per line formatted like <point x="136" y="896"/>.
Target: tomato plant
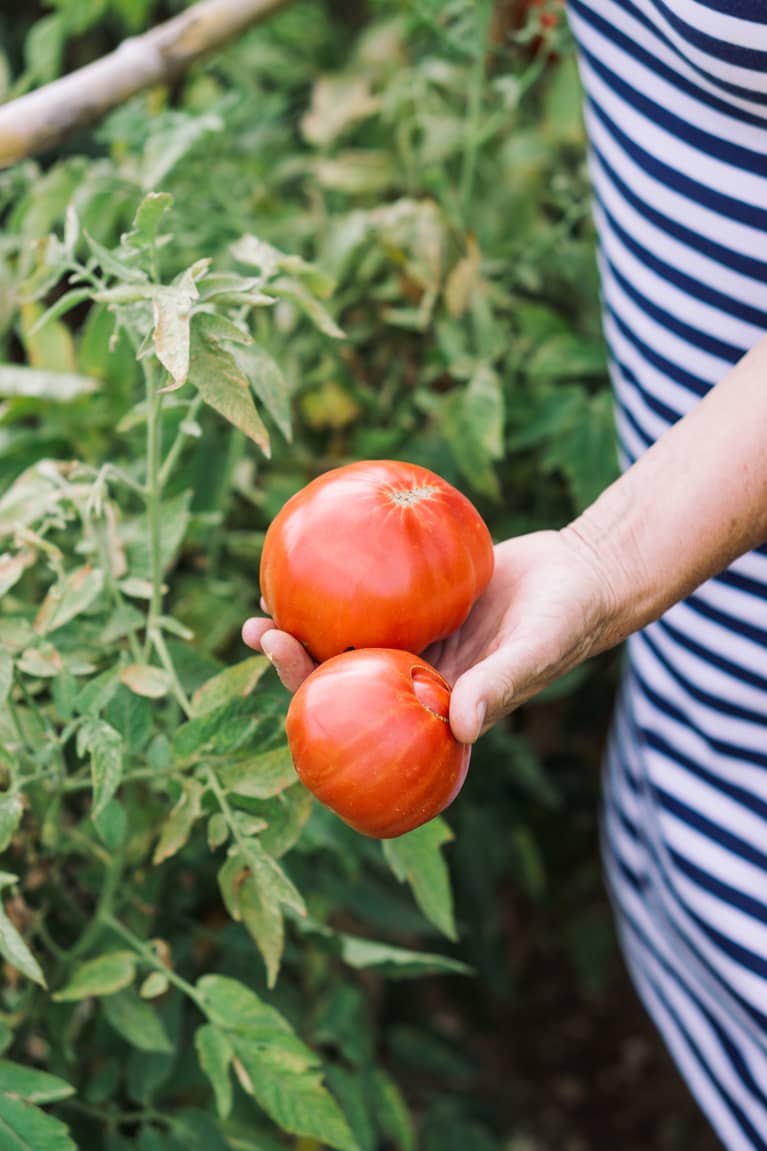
<point x="370" y="737"/>
<point x="374" y="554"/>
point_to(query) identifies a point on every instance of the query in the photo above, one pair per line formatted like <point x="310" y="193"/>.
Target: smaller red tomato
<point x="370" y="738"/>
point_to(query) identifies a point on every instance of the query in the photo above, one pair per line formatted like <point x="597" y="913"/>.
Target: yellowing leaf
<point x="104" y="975"/>
<point x="69" y="598"/>
<point x="338" y="102"/>
<point x="143" y="679"/>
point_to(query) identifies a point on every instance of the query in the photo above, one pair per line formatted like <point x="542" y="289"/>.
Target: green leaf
<point x="261" y="777"/>
<point x="473" y="424"/>
<point x="396" y="962"/>
<point x="24" y="1127"/>
<point x="234" y="727"/>
<point x="215" y="1054"/>
<point x="285" y="815"/>
<point x="97" y="692"/>
<point x="218" y="328"/>
<point x="175" y="134"/>
<point x="229" y="1004"/>
<point x="297" y="1101"/>
<point x="269" y="383"/>
<point x="117" y="263"/>
<point x="310" y="305"/>
<point x="11" y="811"/>
<point x="99" y="739"/>
<point x="12" y="947"/>
<point x="32" y="1085"/>
<point x="272" y="881"/>
<point x="587" y="453"/>
<point x="131" y="715"/>
<point x="568" y="356"/>
<point x="63" y="305"/>
<point x="255" y="888"/>
<point x="197" y="1131"/>
<point x="417" y="857"/>
<point x="174" y="514"/>
<point x="351" y="1090"/>
<point x="178" y="826"/>
<point x="43" y="49"/>
<point x="20" y="381"/>
<point x="392" y="1112"/>
<point x="137" y="1022"/>
<point x="112" y="825"/>
<point x="123" y="620"/>
<point x="146" y="222"/>
<point x="104" y="975"/>
<point x="216" y="374"/>
<point x="238" y="680"/>
<point x="275" y="1067"/>
<point x="262" y="917"/>
<point x="6" y="675"/>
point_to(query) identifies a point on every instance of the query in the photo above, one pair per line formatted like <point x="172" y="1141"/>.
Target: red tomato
<point x="370" y="738"/>
<point x="374" y="554"/>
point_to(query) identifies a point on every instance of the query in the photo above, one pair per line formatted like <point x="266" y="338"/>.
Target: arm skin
<point x="693" y="503"/>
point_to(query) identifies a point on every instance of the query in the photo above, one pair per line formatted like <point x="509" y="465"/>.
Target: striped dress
<point x="676" y="112"/>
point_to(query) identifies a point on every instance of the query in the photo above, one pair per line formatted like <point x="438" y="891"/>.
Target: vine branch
<point x="44" y="118"/>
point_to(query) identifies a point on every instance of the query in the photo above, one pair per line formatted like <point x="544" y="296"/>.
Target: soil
<point x="587" y="1074"/>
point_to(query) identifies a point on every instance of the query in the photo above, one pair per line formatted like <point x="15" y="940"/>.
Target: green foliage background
<point x="351" y="234"/>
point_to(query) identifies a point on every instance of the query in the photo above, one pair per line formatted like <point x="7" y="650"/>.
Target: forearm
<point x="694" y="502"/>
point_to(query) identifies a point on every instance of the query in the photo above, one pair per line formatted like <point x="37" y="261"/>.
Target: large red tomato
<point x="374" y="554"/>
<point x="370" y="737"/>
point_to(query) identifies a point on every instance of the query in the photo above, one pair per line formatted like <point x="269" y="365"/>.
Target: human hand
<point x="548" y="607"/>
<point x="290" y="658"/>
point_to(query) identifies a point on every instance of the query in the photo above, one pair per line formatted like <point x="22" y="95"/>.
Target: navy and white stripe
<point x="676" y="112"/>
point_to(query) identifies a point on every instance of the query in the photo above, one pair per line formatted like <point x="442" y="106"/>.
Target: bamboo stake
<point x="44" y="118"/>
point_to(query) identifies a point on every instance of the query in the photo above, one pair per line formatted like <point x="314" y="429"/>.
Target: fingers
<point x="253" y="629"/>
<point x="481" y="696"/>
<point x="290" y="659"/>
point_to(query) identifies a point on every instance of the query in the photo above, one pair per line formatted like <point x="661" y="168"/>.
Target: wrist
<point x="601" y="539"/>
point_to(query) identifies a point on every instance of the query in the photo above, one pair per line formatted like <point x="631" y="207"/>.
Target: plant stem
<point x="235" y="452"/>
<point x="112" y="1116"/>
<point x="153" y="498"/>
<point x="474" y="109"/>
<point x="223" y="803"/>
<point x="158" y="641"/>
<point x="145" y="951"/>
<point x="103" y="911"/>
<point x="177" y="446"/>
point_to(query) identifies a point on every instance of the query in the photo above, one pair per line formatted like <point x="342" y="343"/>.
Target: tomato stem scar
<point x="431" y="691"/>
<point x="408" y="497"/>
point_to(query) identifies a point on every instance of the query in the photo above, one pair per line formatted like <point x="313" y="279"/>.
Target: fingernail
<point x="265" y="651"/>
<point x="481" y="713"/>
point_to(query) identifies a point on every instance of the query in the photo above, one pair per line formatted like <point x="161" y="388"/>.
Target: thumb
<point x="482" y="695"/>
